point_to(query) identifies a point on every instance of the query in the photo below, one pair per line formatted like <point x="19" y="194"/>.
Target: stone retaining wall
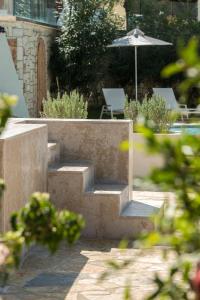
<point x="143" y="161"/>
<point x="23" y="166"/>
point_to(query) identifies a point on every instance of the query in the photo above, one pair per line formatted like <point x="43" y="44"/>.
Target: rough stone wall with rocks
<point x="23" y="38"/>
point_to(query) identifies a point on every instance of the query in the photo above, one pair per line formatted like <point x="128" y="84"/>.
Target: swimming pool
<point x="193" y="129"/>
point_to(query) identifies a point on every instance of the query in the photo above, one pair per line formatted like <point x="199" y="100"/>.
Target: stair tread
<point x="106" y="189"/>
<point x="142" y="208"/>
<point x="79" y="166"/>
<point x="51" y="144"/>
<point x="149" y="195"/>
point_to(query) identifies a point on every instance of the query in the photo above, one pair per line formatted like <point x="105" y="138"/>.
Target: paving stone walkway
<point x="72" y="274"/>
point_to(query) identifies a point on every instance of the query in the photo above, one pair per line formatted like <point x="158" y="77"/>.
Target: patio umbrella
<point x="136" y="38"/>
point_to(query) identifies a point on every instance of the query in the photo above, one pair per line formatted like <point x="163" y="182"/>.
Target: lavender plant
<point x="153" y="111"/>
<point x="66" y="106"/>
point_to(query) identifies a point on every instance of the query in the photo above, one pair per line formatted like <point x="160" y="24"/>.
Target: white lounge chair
<point x="115" y="102"/>
<point x="171" y="103"/>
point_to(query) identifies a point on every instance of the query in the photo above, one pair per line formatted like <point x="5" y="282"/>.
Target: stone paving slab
<point x="142" y="208"/>
<point x="73" y="273"/>
<point x="52" y="279"/>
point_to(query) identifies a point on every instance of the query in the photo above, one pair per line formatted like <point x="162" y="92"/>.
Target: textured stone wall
<point x="23" y="38"/>
<point x="24" y="170"/>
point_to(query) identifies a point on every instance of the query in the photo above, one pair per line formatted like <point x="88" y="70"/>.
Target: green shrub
<point x="67" y="106"/>
<point x="153" y="111"/>
<point x="131" y="111"/>
<point x="160" y="117"/>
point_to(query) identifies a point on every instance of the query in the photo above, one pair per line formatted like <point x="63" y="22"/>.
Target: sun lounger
<point x="115" y="102"/>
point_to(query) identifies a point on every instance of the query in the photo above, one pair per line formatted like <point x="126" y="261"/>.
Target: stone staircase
<point x="106" y="207"/>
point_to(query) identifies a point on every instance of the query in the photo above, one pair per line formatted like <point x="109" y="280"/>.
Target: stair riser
<point x="100" y="204"/>
<point x="126" y="228"/>
<point x="53" y="154"/>
<point x="124" y="199"/>
<point x="88" y="178"/>
<point x="101" y="213"/>
<point x="67" y="188"/>
<point x="94" y="208"/>
<point x="116" y="229"/>
<point x="71" y="187"/>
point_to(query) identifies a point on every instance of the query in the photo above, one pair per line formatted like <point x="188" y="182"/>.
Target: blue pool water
<point x="188" y="129"/>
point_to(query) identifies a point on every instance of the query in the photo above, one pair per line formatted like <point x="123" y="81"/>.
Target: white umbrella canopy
<point x="137" y="38"/>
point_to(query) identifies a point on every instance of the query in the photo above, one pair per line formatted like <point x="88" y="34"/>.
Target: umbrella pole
<point x="136" y="84"/>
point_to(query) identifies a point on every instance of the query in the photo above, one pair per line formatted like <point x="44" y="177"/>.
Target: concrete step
<point x="53" y="153"/>
<point x="115" y="192"/>
<point x="103" y="218"/>
<point x="142" y="208"/>
<point x="107" y="209"/>
<point x="101" y="204"/>
<point x="139" y="212"/>
<point x="68" y="181"/>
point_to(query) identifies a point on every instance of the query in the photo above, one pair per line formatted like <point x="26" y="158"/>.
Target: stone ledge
<point x="36" y="24"/>
<point x="13" y="131"/>
<point x="107" y="189"/>
<point x="14" y="19"/>
<point x="93" y="121"/>
<point x="70" y="167"/>
<point x="7" y="18"/>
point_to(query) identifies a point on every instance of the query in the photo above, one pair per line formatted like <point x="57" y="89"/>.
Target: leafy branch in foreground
<point x="178" y="230"/>
<point x="37" y="223"/>
<point x="6" y="102"/>
<point x="189" y="64"/>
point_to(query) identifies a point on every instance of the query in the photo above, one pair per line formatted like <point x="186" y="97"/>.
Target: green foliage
<point x="189" y="63"/>
<point x="81" y="60"/>
<point x="70" y="106"/>
<point x="178" y="229"/>
<point x="6" y="103"/>
<point x="158" y="22"/>
<point x="157" y="115"/>
<point x="153" y="111"/>
<point x="11" y="247"/>
<point x="39" y="222"/>
<point x="184" y="10"/>
<point x="78" y="59"/>
<point x="23" y="8"/>
<point x="131" y="111"/>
